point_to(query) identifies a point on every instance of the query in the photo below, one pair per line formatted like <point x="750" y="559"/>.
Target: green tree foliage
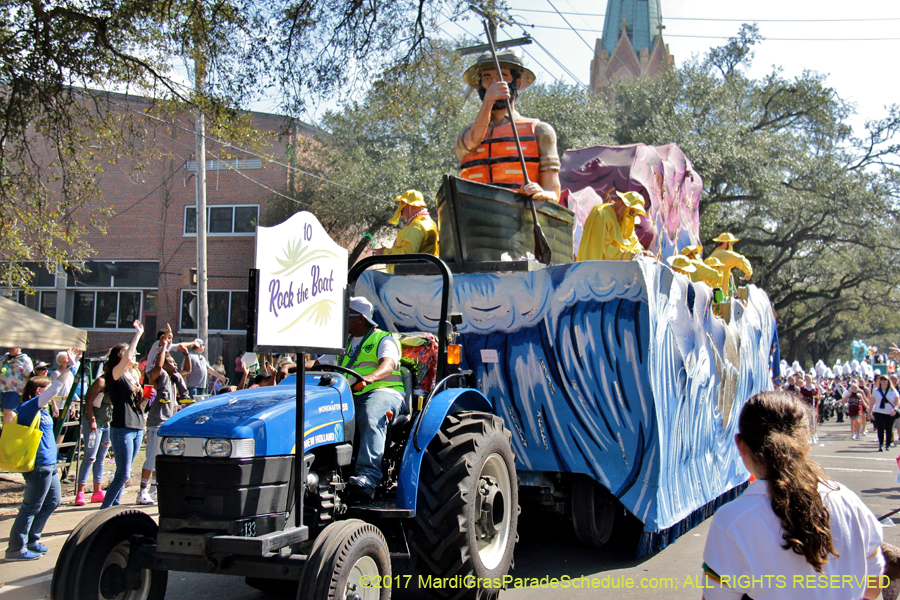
<point x="399" y="137"/>
<point x="59" y="128"/>
<point x="580" y="119"/>
<point x="815" y="208"/>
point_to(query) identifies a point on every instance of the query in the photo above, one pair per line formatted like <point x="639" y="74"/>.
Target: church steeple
<point x="640" y="18"/>
<point x="632" y="43"/>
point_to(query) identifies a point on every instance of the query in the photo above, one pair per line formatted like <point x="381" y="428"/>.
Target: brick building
<point x="137" y="268"/>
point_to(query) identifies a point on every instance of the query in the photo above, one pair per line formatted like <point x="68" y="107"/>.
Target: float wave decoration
<point x="616" y="370"/>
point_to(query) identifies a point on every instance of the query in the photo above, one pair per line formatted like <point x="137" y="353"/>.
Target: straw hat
<point x="509" y="59"/>
<point x="726" y="238"/>
<point x="693" y="251"/>
<point x="714" y="262"/>
<point x="410" y="198"/>
<point x="681" y="263"/>
<point x="634" y="201"/>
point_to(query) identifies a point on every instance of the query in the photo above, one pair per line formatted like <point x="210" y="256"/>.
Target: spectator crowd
<point x="122" y="410"/>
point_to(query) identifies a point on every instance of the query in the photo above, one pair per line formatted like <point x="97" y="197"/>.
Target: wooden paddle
<point x="541" y="246"/>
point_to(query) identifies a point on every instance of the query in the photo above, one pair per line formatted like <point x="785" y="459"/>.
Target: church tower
<point x="632" y="44"/>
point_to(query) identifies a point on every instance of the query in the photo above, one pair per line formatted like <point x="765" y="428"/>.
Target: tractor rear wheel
<point x="468" y="506"/>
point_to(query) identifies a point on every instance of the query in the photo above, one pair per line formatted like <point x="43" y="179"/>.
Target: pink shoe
<point x="79" y="499"/>
<point x="98" y="496"/>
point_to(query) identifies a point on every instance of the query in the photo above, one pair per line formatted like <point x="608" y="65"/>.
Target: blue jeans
<point x="95" y="454"/>
<point x="371" y="423"/>
<point x="41" y="497"/>
<point x="126" y="444"/>
<point x="10" y="400"/>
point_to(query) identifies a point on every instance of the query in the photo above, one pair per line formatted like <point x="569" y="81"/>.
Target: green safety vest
<point x="367" y="362"/>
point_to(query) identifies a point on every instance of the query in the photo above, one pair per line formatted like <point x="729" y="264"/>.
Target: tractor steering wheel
<point x="343" y="371"/>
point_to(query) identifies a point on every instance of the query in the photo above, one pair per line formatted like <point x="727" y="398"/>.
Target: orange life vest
<point x="496" y="160"/>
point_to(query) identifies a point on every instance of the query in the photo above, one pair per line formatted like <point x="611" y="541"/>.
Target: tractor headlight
<point x="172" y="446"/>
<point x="217" y="448"/>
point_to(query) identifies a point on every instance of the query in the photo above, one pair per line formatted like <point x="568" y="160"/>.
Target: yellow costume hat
<point x="509" y="59"/>
<point x="681" y="262"/>
<point x="692" y="251"/>
<point x="633" y="200"/>
<point x="726" y="238"/>
<point x="409" y="197"/>
<point x="714" y="262"/>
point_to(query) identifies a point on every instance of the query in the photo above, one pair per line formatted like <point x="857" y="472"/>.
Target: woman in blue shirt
<point x="42" y="490"/>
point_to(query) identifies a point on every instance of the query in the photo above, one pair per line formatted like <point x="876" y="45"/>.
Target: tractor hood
<point x="267" y="415"/>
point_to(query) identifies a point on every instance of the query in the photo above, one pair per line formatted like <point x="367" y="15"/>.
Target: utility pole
<point x="199" y="79"/>
<point x="492" y="17"/>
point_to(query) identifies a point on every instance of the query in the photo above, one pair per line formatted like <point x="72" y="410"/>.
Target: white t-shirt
<point x="891" y="402"/>
<point x="745" y="545"/>
<point x="388" y="347"/>
<point x="151" y="357"/>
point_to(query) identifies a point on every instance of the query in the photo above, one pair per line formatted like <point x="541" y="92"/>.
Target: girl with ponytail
<point x="793" y="523"/>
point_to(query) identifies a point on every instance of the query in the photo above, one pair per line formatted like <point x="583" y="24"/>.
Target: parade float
<point x="619" y="383"/>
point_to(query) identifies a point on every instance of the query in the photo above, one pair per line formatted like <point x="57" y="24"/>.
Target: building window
<point x="106" y="309"/>
<point x="106" y="305"/>
<point x="227" y="310"/>
<point x="115" y="274"/>
<point x="44" y="276"/>
<point x="224" y="220"/>
<point x="41" y="301"/>
<point x="233" y="164"/>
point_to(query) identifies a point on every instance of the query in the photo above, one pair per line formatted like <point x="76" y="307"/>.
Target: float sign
<point x="300" y="290"/>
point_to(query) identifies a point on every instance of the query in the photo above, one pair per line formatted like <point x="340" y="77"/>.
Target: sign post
<point x="298" y="299"/>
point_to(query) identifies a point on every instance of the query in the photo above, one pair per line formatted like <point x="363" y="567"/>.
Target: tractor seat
<point x="406" y="412"/>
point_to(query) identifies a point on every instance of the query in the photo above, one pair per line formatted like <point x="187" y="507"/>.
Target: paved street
<point x="546" y="549"/>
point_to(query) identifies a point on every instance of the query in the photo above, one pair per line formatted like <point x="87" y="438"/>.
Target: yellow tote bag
<point x="19" y="445"/>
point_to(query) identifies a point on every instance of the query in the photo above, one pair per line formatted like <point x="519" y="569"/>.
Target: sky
<point x="854" y="43"/>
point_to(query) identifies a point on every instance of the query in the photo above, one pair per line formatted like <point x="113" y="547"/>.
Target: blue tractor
<point x="228" y="490"/>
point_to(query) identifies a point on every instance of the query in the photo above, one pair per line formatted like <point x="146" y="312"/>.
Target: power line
<point x="529" y="54"/>
<point x="772" y="39"/>
<point x="570" y="26"/>
<point x="251" y="153"/>
<point x="581" y="14"/>
<point x="726" y="37"/>
<point x="558" y="62"/>
<point x="561" y="65"/>
<point x="150" y="193"/>
<point x="238" y="171"/>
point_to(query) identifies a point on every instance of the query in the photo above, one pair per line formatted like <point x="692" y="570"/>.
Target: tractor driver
<point x="375" y="355"/>
<point x="486" y="150"/>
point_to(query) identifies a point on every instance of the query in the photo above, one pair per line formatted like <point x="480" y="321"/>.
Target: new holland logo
<point x="200" y="420"/>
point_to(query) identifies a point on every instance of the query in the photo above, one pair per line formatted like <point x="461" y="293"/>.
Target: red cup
<point x="148" y="391"/>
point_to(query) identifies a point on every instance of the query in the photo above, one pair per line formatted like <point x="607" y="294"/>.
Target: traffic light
<point x="189" y="277"/>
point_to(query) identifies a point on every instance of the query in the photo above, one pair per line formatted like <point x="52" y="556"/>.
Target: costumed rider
<point x="682" y="264"/>
<point x="487" y="150"/>
<point x="731" y="260"/>
<point x="609" y="229"/>
<point x="707" y="273"/>
<point x="718" y="266"/>
<point x="375" y="355"/>
<point x="420" y="233"/>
